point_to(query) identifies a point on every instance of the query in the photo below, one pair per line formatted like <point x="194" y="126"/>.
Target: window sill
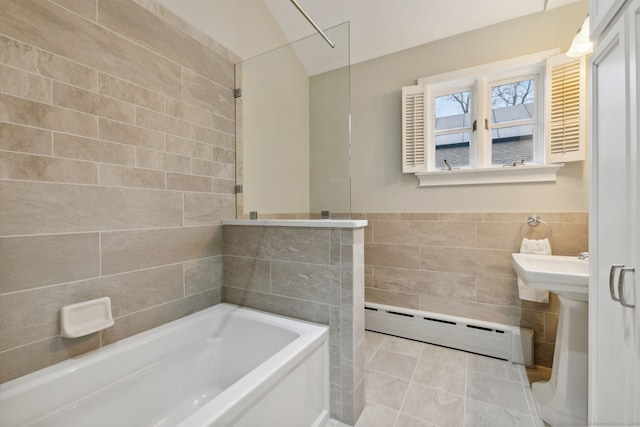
<point x="533" y="173"/>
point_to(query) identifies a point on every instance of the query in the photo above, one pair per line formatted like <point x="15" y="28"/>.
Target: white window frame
<point x="434" y="90"/>
<point x="479" y="85"/>
<point x="481" y="171"/>
<point x="539" y="141"/>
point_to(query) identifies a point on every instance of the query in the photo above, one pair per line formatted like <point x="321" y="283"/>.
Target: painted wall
<point x="378" y="184"/>
<point x="117" y="164"/>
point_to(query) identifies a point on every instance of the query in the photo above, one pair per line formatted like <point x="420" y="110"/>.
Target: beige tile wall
<point x="117" y="163"/>
<point x="314" y="274"/>
<point x="460" y="264"/>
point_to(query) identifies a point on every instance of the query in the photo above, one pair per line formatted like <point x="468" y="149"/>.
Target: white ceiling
<point x="378" y="27"/>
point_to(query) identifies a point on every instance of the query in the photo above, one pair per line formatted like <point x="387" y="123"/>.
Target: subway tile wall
<point x="117" y="164"/>
<point x="313" y="274"/>
<point x="460" y="264"/>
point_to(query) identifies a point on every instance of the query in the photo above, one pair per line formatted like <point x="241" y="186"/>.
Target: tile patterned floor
<point x="412" y="384"/>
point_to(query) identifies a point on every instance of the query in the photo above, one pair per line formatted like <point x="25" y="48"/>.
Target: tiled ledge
<point x="319" y="223"/>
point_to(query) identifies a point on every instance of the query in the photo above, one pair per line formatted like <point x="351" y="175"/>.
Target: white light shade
<point x="581" y="44"/>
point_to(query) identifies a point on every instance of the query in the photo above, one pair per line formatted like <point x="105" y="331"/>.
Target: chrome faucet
<point x="583" y="255"/>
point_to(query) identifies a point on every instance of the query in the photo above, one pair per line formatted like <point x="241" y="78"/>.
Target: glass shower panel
<point x="293" y="129"/>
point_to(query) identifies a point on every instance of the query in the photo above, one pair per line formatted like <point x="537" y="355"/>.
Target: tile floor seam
<point x="526" y="414"/>
<point x="498" y="406"/>
<point x="380" y="405"/>
<point x="439" y="388"/>
<point x="532" y="409"/>
<point x="390" y="375"/>
<point x="494" y="376"/>
<point x="397" y="352"/>
<point x="408" y="387"/>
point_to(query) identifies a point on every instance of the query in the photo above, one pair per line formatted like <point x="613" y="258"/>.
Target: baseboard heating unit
<point x="506" y="342"/>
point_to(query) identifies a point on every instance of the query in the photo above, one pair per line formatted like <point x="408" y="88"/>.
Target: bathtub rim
<point x="310" y="337"/>
<point x="230" y="404"/>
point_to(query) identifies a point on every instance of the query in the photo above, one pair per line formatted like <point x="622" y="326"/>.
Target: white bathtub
<point x="223" y="366"/>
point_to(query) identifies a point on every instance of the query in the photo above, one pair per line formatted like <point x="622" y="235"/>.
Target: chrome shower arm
<point x="295" y="3"/>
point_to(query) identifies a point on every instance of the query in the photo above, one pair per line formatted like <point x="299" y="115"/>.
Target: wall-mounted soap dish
<point x="84" y="318"/>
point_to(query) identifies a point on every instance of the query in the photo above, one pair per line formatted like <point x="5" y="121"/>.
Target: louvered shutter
<point x="566" y="109"/>
<point x="413" y="132"/>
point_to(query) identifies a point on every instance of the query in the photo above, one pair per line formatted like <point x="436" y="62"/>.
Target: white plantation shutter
<point x="566" y="109"/>
<point x="413" y="130"/>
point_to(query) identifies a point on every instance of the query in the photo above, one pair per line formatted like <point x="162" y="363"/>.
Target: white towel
<point x="539" y="247"/>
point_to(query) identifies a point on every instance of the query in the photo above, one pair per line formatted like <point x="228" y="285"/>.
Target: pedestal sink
<point x="562" y="401"/>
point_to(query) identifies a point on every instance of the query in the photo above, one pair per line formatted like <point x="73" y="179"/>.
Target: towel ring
<point x="534" y="221"/>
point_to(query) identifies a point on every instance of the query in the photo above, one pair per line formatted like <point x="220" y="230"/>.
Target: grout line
<point x="134" y="148"/>
<point x="101" y="94"/>
<point x="169" y="227"/>
<point x="97" y="13"/>
<point x="406" y="393"/>
<point x="162" y="56"/>
<point x="466" y="387"/>
<point x="184" y="279"/>
<point x="51" y="84"/>
<point x="271" y="292"/>
<point x="125" y="188"/>
<point x="52" y="143"/>
<point x="526" y="388"/>
<point x="72" y="282"/>
<point x="495" y="376"/>
<point x="100" y="254"/>
<point x="181" y="88"/>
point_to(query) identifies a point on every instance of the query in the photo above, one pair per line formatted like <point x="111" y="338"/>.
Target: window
<point x="513" y="121"/>
<point x="452" y="128"/>
<point x="491" y="119"/>
<point x="485" y="121"/>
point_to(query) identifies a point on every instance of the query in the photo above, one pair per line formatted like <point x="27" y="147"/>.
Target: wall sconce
<point x="581" y="45"/>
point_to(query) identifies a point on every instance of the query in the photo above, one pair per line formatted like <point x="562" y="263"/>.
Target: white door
<point x="614" y="356"/>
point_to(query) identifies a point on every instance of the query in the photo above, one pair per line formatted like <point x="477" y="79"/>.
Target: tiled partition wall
<point x="313" y="274"/>
<point x="460" y="264"/>
<point x="116" y="167"/>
